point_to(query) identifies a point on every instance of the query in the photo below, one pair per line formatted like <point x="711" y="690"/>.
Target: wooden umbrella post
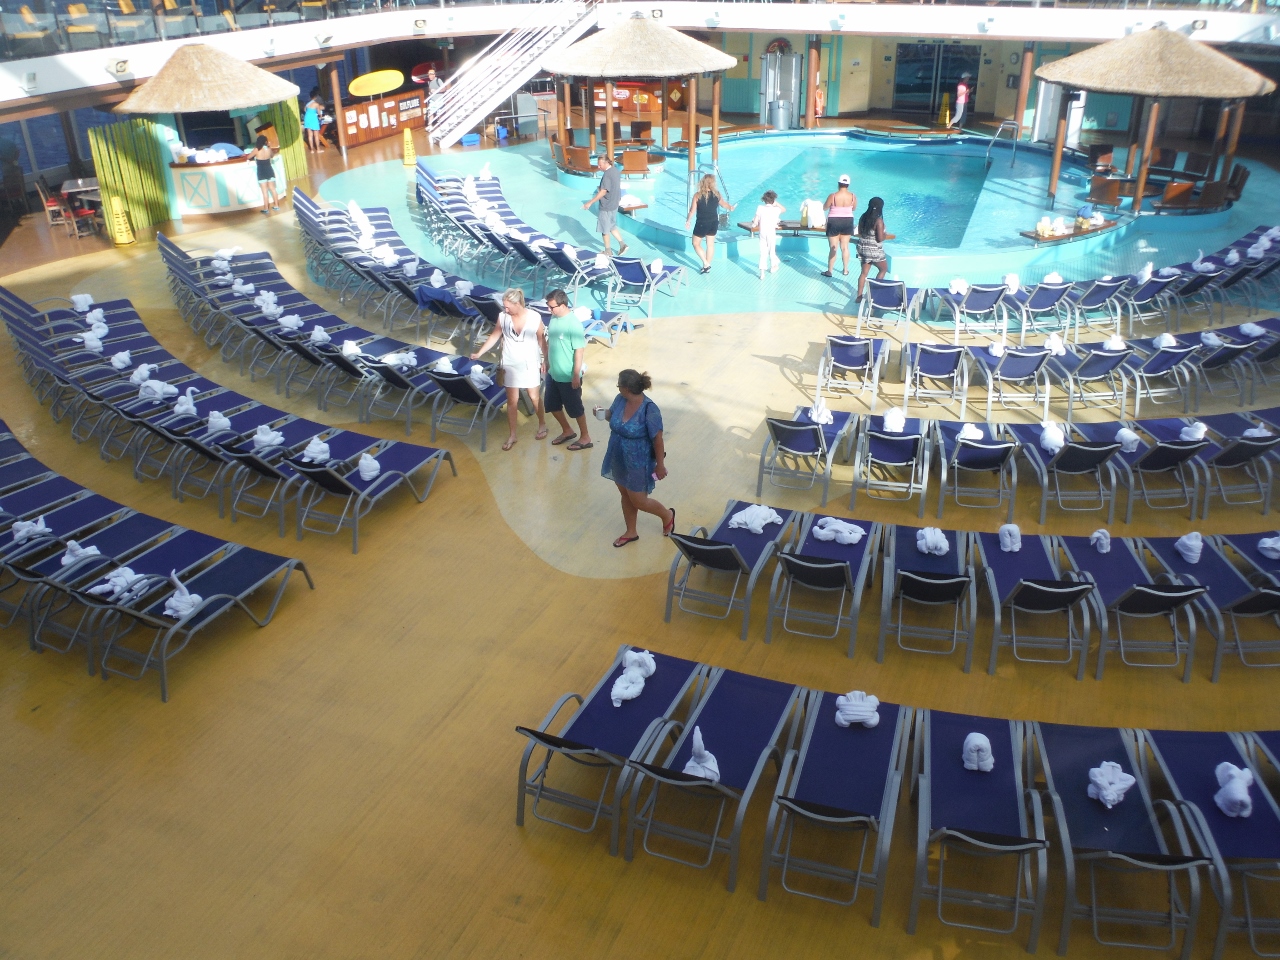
<point x="811" y="95"/>
<point x="1135" y="134"/>
<point x="715" y="118"/>
<point x="1233" y="140"/>
<point x="1140" y="187"/>
<point x="1219" y="134"/>
<point x="335" y="88"/>
<point x="590" y="111"/>
<point x="608" y="118"/>
<point x="665" y="84"/>
<point x="566" y="119"/>
<point x="1024" y="84"/>
<point x="691" y="132"/>
<point x="1059" y="143"/>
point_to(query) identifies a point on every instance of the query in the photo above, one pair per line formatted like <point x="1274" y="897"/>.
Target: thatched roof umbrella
<point x="643" y="49"/>
<point x="199" y="77"/>
<point x="1156" y="63"/>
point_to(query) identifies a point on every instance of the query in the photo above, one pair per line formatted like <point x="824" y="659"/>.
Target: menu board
<point x="371" y="120"/>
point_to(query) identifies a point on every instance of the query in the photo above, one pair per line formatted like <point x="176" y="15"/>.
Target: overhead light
<point x="28" y="82"/>
<point x="655" y="14"/>
<point x="117" y="68"/>
<point x="324" y="41"/>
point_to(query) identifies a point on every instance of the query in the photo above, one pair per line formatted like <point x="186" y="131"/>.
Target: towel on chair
<point x="1010" y="538"/>
<point x="1252" y="330"/>
<point x="819" y="413"/>
<point x="183" y="602"/>
<point x="317" y="451"/>
<point x="479" y="379"/>
<point x="290" y="322"/>
<point x="218" y="423"/>
<point x="368" y="467"/>
<point x="1257" y="251"/>
<point x="1053" y="343"/>
<point x="410" y="267"/>
<point x="1165" y="340"/>
<point x="1189" y="546"/>
<point x="82" y="302"/>
<point x="1210" y="339"/>
<point x="365" y="242"/>
<point x="265" y="298"/>
<point x="754" y="518"/>
<point x="443" y="365"/>
<point x="463" y="288"/>
<point x="1114" y="342"/>
<point x="484" y="173"/>
<point x="959" y="286"/>
<point x="703" y="763"/>
<point x="186" y="405"/>
<point x="1145" y="273"/>
<point x="264" y="437"/>
<point x="1129" y="441"/>
<point x="220" y="265"/>
<point x="437" y="278"/>
<point x="1011" y="282"/>
<point x="1199" y="265"/>
<point x="143" y="373"/>
<point x="226" y="253"/>
<point x="402" y="361"/>
<point x="75" y="552"/>
<point x="1108" y="783"/>
<point x="384" y="255"/>
<point x="119" y="584"/>
<point x="318" y="335"/>
<point x="841" y="531"/>
<point x="122" y="360"/>
<point x="602" y="261"/>
<point x="857" y="707"/>
<point x="1273" y="233"/>
<point x="1233" y="799"/>
<point x="94" y="317"/>
<point x="895" y="421"/>
<point x="996" y="349"/>
<point x="1052" y="278"/>
<point x="1269" y="547"/>
<point x="1192" y="432"/>
<point x="1052" y="439"/>
<point x="241" y="288"/>
<point x="156" y="391"/>
<point x="1257" y="433"/>
<point x="932" y="540"/>
<point x="1232" y="257"/>
<point x="970" y="431"/>
<point x="1167" y="272"/>
<point x="92" y="343"/>
<point x="350" y="349"/>
<point x="98" y="329"/>
<point x="977" y="753"/>
<point x="636" y="668"/>
<point x="1101" y="541"/>
<point x="224" y="280"/>
<point x="584" y="314"/>
<point x="655" y="266"/>
<point x="25" y="529"/>
<point x="272" y="311"/>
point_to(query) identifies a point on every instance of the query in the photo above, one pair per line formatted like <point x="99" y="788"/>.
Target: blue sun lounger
<point x="930" y="581"/>
<point x="600" y="736"/>
<point x="742" y="720"/>
<point x="843" y="781"/>
<point x="992" y="453"/>
<point x="797" y="450"/>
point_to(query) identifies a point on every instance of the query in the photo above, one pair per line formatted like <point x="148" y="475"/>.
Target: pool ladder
<point x="1014" y="128"/>
<point x="695" y="176"/>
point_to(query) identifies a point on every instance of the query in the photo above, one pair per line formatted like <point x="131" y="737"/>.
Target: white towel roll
<point x="970" y="431"/>
<point x="1114" y="342"/>
<point x="857" y="706"/>
<point x="933" y="541"/>
<point x="318" y="335"/>
<point x="1193" y="432"/>
<point x="82" y="302"/>
<point x="1010" y="538"/>
<point x="122" y="360"/>
<point x="1108" y="783"/>
<point x="841" y="531"/>
<point x="217" y="422"/>
<point x="1011" y="283"/>
<point x="1101" y="541"/>
<point x="1257" y="433"/>
<point x="977" y="753"/>
<point x="703" y="762"/>
<point x="92" y="343"/>
<point x="1210" y="339"/>
<point x="895" y="421"/>
<point x="1165" y="340"/>
<point x="1052" y="439"/>
<point x="479" y="379"/>
<point x="959" y="286"/>
<point x="96" y="316"/>
<point x="1128" y="439"/>
<point x="1167" y="272"/>
<point x="1232" y="258"/>
<point x="1252" y="330"/>
<point x="1052" y="278"/>
<point x="1053" y="343"/>
<point x="1233" y="797"/>
<point x="1189" y="546"/>
<point x="317" y="451"/>
<point x="368" y="467"/>
<point x="1269" y="547"/>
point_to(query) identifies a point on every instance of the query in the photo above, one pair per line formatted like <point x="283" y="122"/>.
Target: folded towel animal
<point x="1193" y="432"/>
<point x="220" y="266"/>
<point x="1257" y="433"/>
<point x="1010" y="538"/>
<point x="655" y="266"/>
<point x="1232" y="257"/>
<point x="317" y="451"/>
<point x="484" y="173"/>
<point x="1200" y="266"/>
<point x="1189" y="546"/>
<point x="841" y="531"/>
<point x="977" y="753"/>
<point x="637" y="666"/>
<point x="75" y="552"/>
<point x="226" y="253"/>
<point x="156" y="391"/>
<point x="1269" y="547"/>
<point x="143" y="373"/>
<point x="1052" y="439"/>
<point x="96" y="316"/>
<point x="970" y="431"/>
<point x="265" y="298"/>
<point x="410" y="267"/>
<point x="1011" y="282"/>
<point x="1233" y="797"/>
<point x="437" y="279"/>
<point x="1052" y="278"/>
<point x="1129" y="441"/>
<point x="754" y="518"/>
<point x="119" y="584"/>
<point x="318" y="335"/>
<point x="272" y="311"/>
<point x="407" y="360"/>
<point x="264" y="437"/>
<point x="290" y="322"/>
<point x="1114" y="342"/>
<point x="186" y="405"/>
<point x="350" y="349"/>
<point x="1145" y="273"/>
<point x="443" y="365"/>
<point x="24" y="530"/>
<point x="1210" y="339"/>
<point x="1101" y="541"/>
<point x="1108" y="783"/>
<point x="1256" y="252"/>
<point x="857" y="707"/>
<point x="92" y="343"/>
<point x="1170" y="272"/>
<point x="98" y="329"/>
<point x="368" y="467"/>
<point x="183" y="602"/>
<point x="1165" y="340"/>
<point x="895" y="421"/>
<point x="1097" y="219"/>
<point x="1252" y="330"/>
<point x="82" y="302"/>
<point x="819" y="413"/>
<point x="122" y="360"/>
<point x="703" y="763"/>
<point x="241" y="288"/>
<point x="585" y="314"/>
<point x="217" y="422"/>
<point x="224" y="280"/>
<point x="959" y="286"/>
<point x="602" y="261"/>
<point x="932" y="540"/>
<point x="479" y="379"/>
<point x="1273" y="233"/>
<point x="365" y="242"/>
<point x="463" y="288"/>
<point x="996" y="349"/>
<point x="1053" y="343"/>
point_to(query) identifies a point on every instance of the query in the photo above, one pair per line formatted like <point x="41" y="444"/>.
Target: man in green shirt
<point x="562" y="370"/>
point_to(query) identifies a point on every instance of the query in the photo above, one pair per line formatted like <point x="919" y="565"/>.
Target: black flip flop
<point x="623" y="541"/>
<point x="559" y="440"/>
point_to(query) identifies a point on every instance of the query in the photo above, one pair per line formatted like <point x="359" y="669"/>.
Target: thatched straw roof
<point x="1157" y="63"/>
<point x="199" y="77"/>
<point x="640" y="49"/>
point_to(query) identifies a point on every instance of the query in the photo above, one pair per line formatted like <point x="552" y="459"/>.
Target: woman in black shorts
<point x="261" y="156"/>
<point x="706" y="204"/>
<point x="839" y="207"/>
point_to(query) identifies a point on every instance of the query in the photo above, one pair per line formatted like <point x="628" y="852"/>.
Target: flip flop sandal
<point x="540" y="435"/>
<point x="559" y="440"/>
<point x="623" y="541"/>
<point x="581" y="446"/>
<point x="668" y="531"/>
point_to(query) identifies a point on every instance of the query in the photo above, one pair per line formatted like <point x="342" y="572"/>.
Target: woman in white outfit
<point x="766" y="220"/>
<point x="524" y="344"/>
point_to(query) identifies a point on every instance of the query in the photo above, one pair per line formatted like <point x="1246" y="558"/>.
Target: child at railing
<point x="766" y="220"/>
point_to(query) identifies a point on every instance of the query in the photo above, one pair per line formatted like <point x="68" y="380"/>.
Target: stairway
<point x="485" y="81"/>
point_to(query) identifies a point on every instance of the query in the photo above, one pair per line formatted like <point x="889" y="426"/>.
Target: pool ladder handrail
<point x="696" y="175"/>
<point x="1016" y="129"/>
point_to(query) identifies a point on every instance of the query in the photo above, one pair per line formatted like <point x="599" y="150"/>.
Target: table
<point x="78" y="186"/>
<point x="1073" y="235"/>
<point x="631" y="210"/>
<point x="790" y="227"/>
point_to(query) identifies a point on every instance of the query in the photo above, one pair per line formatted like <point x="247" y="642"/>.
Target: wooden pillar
<point x="74" y="164"/>
<point x="590" y="110"/>
<point x="1024" y="84"/>
<point x="715" y="118"/>
<point x="566" y="118"/>
<point x="1233" y="140"/>
<point x="608" y="118"/>
<point x="665" y="84"/>
<point x="1135" y="134"/>
<point x="335" y="89"/>
<point x="1219" y="134"/>
<point x="811" y="95"/>
<point x="691" y="133"/>
<point x="1140" y="187"/>
<point x="1059" y="142"/>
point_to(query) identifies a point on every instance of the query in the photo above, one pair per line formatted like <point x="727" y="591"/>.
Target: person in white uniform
<point x="766" y="220"/>
<point x="524" y="344"/>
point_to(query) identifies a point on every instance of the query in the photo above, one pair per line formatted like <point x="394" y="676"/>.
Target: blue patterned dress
<point x="629" y="459"/>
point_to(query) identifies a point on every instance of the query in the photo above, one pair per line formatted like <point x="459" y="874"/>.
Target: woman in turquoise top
<point x="311" y="121"/>
<point x="636" y="457"/>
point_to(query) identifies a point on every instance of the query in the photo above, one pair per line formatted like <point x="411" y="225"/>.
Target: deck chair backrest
<point x="938" y="361"/>
<point x="713" y="554"/>
<point x="1167" y="358"/>
<point x="1099" y="292"/>
<point x="1150" y="290"/>
<point x="1225" y="355"/>
<point x="797" y="436"/>
<point x="817" y="573"/>
<point x="851" y="353"/>
<point x="887" y="294"/>
<point x="631" y="270"/>
<point x="982" y="298"/>
<point x="1020" y="363"/>
<point x="326" y="478"/>
<point x="1241" y="450"/>
<point x="458" y="386"/>
<point x="1156" y="599"/>
<point x="1101" y="362"/>
<point x="1046" y="296"/>
<point x="1086" y="457"/>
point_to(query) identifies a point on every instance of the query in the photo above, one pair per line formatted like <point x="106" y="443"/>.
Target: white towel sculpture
<point x="857" y="707"/>
<point x="122" y="360"/>
<point x="933" y="541"/>
<point x="1010" y="538"/>
<point x="24" y="530"/>
<point x="1233" y="798"/>
<point x="264" y="437"/>
<point x="479" y="379"/>
<point x="156" y="391"/>
<point x="895" y="421"/>
<point x="1165" y="340"/>
<point x="970" y="431"/>
<point x="317" y="451"/>
<point x="841" y="531"/>
<point x="75" y="553"/>
<point x="1189" y="546"/>
<point x="1210" y="339"/>
<point x="636" y="668"/>
<point x="977" y="753"/>
<point x="218" y="422"/>
<point x="1052" y="439"/>
<point x="1269" y="547"/>
<point x="754" y="518"/>
<point x="290" y="321"/>
<point x="1101" y="541"/>
<point x="119" y="584"/>
<point x="368" y="467"/>
<point x="1108" y="783"/>
<point x="1114" y="342"/>
<point x="318" y="335"/>
<point x="1192" y="432"/>
<point x="183" y="602"/>
<point x="703" y="762"/>
<point x="82" y="302"/>
<point x="1232" y="257"/>
<point x="1129" y="441"/>
<point x="186" y="404"/>
<point x="1252" y="330"/>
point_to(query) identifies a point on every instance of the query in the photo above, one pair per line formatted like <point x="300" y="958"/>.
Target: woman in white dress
<point x="524" y="344"/>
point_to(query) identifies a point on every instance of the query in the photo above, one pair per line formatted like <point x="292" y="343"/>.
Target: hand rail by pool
<point x="1013" y="126"/>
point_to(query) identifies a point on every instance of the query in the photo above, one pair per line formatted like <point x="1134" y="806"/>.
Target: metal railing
<point x="1016" y="129"/>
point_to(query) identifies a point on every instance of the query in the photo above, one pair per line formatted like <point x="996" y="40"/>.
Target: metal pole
<point x="1059" y="142"/>
<point x="335" y="88"/>
<point x="1140" y="187"/>
<point x="691" y="132"/>
<point x="665" y="84"/>
<point x="715" y="118"/>
<point x="1233" y="139"/>
<point x="608" y="118"/>
<point x="1024" y="84"/>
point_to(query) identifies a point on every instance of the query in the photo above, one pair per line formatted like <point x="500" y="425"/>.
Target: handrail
<point x="1013" y="126"/>
<point x="702" y="170"/>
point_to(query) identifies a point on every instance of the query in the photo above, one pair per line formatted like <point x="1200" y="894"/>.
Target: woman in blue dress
<point x="311" y="121"/>
<point x="636" y="457"/>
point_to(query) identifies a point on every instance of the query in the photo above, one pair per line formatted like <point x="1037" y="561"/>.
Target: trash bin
<point x="780" y="114"/>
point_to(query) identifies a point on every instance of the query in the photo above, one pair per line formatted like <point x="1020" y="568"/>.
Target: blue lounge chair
<point x="797" y="450"/>
<point x="852" y="366"/>
<point x="1078" y="457"/>
<point x="992" y="453"/>
<point x="458" y="392"/>
<point x="1237" y="468"/>
<point x="884" y="300"/>
<point x="634" y="283"/>
<point x="926" y="367"/>
<point x="980" y="309"/>
<point x="1092" y="365"/>
<point x="891" y="466"/>
<point x="1044" y="307"/>
<point x="1162" y="454"/>
<point x="929" y="581"/>
<point x="1023" y="368"/>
